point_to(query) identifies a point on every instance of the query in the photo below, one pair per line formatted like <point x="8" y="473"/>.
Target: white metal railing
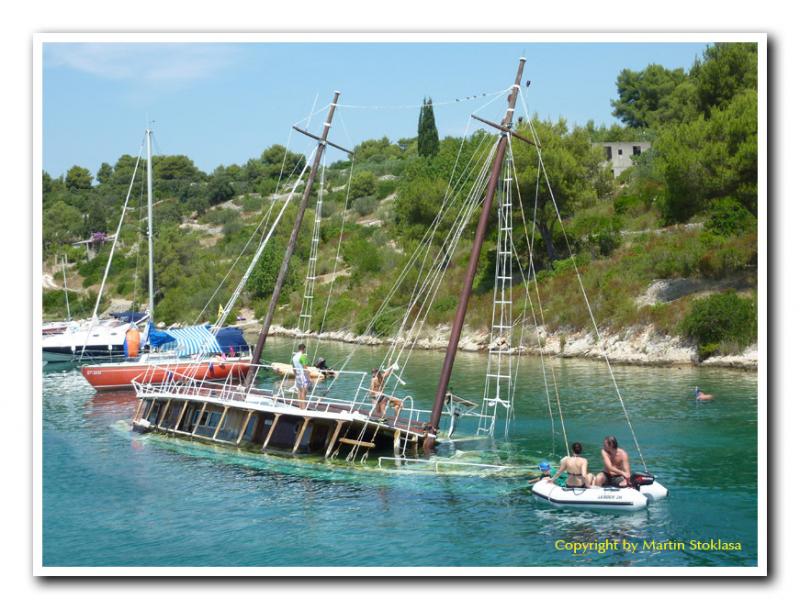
<point x="164" y="380"/>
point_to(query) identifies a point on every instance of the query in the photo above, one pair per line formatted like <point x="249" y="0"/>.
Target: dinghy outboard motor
<point x="641" y="478"/>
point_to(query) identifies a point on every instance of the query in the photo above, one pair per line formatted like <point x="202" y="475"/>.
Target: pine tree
<point x="427" y="134"/>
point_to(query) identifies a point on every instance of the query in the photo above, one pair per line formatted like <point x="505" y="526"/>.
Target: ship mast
<point x="480" y="235"/>
<point x="150" y="306"/>
<point x="298" y="221"/>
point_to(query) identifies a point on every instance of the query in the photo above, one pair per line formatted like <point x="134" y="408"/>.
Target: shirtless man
<point x="376" y="390"/>
<point x="577" y="467"/>
<point x="616" y="467"/>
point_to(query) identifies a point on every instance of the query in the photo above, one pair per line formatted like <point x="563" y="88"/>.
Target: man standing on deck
<point x="616" y="466"/>
<point x="301" y="378"/>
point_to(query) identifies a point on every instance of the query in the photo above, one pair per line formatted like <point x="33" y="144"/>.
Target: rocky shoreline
<point x="640" y="346"/>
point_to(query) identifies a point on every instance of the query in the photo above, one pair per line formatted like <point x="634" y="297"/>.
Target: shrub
<point x="385" y="188"/>
<point x="729" y="217"/>
<point x="362" y="255"/>
<point x="252" y="204"/>
<point x="220" y="216"/>
<point x="625" y="202"/>
<point x="721" y="317"/>
<point x="365" y="205"/>
<point x="363" y="185"/>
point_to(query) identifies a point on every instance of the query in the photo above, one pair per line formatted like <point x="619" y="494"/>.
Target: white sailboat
<point x="95" y="338"/>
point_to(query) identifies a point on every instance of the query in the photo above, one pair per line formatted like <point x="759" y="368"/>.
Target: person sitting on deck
<point x="301" y="378"/>
<point x="577" y="467"/>
<point x="376" y="391"/>
<point x="616" y="466"/>
<point x="700" y="395"/>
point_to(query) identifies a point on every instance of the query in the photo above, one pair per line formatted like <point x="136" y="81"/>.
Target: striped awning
<point x="193" y="340"/>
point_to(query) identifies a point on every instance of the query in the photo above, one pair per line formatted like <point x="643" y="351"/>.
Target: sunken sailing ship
<point x="339" y="417"/>
<point x="343" y="413"/>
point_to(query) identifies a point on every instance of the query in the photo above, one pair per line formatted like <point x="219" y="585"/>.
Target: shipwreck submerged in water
<point x="342" y="413"/>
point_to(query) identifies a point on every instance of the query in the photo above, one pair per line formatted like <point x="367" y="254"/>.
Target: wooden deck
<point x="261" y="419"/>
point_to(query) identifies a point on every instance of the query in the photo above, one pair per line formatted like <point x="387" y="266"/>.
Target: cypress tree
<point x="427" y="134"/>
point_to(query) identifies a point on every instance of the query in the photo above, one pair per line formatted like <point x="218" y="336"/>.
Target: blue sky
<point x="224" y="103"/>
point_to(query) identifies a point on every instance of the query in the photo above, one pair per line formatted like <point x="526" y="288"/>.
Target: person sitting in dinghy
<point x="577" y="467"/>
<point x="616" y="466"/>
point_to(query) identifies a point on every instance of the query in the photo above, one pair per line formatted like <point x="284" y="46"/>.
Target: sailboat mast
<point x="150" y="306"/>
<point x="66" y="294"/>
<point x="480" y="235"/>
<point x="298" y="221"/>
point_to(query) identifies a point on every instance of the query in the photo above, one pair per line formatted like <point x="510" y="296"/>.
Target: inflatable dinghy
<point x="287" y="370"/>
<point x="602" y="498"/>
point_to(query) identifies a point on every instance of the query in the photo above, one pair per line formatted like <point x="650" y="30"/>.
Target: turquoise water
<point x="115" y="498"/>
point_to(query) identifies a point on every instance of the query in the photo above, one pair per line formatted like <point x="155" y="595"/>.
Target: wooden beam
<point x="244" y="427"/>
<point x="352" y="441"/>
<point x="300" y="435"/>
<point x="138" y="409"/>
<point x="199" y="418"/>
<point x="149" y="408"/>
<point x="505" y="130"/>
<point x="219" y="425"/>
<point x="271" y="430"/>
<point x="334" y="436"/>
<point x="180" y="416"/>
<point x="164" y="413"/>
<point x="320" y="140"/>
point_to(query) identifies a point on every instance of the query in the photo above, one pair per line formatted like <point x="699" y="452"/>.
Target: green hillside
<point x="685" y="213"/>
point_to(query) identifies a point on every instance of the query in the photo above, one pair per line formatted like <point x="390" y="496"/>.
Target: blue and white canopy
<point x="186" y="341"/>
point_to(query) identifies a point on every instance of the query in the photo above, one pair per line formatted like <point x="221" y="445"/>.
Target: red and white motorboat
<point x="158" y="368"/>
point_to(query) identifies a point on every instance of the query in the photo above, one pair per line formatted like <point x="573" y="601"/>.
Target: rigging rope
<point x="457" y="100"/>
<point x="111" y="253"/>
<point x="580" y="283"/>
<point x="532" y="272"/>
<point x="257" y="256"/>
<point x="264" y="222"/>
<point x="335" y="260"/>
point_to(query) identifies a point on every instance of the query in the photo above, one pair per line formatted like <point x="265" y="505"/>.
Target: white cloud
<point x="173" y="63"/>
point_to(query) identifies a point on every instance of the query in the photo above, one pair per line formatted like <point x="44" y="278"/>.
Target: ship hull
<point x="120" y="376"/>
